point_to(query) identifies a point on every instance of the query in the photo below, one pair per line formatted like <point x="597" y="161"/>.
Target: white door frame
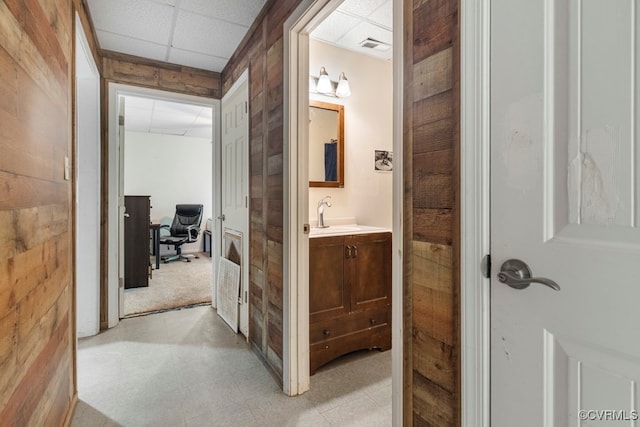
<point x="116" y="90"/>
<point x="474" y="161"/>
<point x="474" y="216"/>
<point x="246" y="262"/>
<point x="87" y="175"/>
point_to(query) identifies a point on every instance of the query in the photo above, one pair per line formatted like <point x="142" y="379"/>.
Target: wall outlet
<point x="67" y="169"/>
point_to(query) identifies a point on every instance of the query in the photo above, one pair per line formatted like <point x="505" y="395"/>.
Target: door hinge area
<point x="246" y="297"/>
<point x="246" y="107"/>
<point x="485" y="266"/>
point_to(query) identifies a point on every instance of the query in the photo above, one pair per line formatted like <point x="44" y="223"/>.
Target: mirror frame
<point x="340" y="110"/>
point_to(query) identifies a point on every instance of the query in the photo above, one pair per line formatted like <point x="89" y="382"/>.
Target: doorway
<point x="167" y="161"/>
<point x="118" y="93"/>
<point x="297" y="199"/>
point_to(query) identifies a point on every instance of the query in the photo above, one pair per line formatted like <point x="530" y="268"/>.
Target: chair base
<point x="179" y="256"/>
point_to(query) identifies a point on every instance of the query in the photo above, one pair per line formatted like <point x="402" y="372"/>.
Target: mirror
<point x="326" y="144"/>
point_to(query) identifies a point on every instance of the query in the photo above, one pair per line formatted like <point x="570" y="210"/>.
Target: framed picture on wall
<point x="383" y="161"/>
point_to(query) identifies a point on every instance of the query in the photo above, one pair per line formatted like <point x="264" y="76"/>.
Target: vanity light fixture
<point x="325" y="86"/>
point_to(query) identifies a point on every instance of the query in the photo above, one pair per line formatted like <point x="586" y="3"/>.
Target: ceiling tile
<point x="237" y="11"/>
<point x="383" y="15"/>
<point x="197" y="60"/>
<point x="360" y="7"/>
<point x="177" y="108"/>
<point x="118" y="43"/>
<point x="202" y="132"/>
<point x="140" y="19"/>
<point x="334" y="27"/>
<point x="206" y="35"/>
<point x="137" y="119"/>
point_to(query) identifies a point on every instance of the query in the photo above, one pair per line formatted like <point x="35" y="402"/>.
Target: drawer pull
<point x="327" y="333"/>
<point x="355" y="251"/>
<point x="347" y="252"/>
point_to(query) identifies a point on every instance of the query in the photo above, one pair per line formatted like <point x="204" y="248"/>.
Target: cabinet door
<point x="328" y="296"/>
<point x="370" y="270"/>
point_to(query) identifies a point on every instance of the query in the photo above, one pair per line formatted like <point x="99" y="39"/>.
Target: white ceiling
<point x="196" y="33"/>
<point x="169" y="118"/>
<point x="204" y="34"/>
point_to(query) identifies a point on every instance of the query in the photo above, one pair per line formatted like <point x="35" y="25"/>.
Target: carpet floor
<point x="176" y="284"/>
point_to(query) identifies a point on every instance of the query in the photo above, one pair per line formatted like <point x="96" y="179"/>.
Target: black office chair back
<point x="185" y="216"/>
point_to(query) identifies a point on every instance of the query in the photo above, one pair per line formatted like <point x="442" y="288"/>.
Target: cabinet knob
<point x="347" y="252"/>
<point x="372" y="321"/>
<point x="327" y="333"/>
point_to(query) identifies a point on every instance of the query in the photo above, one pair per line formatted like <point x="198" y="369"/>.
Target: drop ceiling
<point x="204" y="34"/>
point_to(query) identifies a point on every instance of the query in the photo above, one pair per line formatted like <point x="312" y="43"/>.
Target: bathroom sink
<point x="341" y="230"/>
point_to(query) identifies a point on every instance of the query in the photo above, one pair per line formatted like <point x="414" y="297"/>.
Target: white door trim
<point x="115" y="90"/>
<point x="474" y="217"/>
<point x="397" y="291"/>
<point x="86" y="175"/>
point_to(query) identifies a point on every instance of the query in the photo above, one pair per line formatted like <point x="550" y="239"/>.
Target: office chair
<point x="185" y="228"/>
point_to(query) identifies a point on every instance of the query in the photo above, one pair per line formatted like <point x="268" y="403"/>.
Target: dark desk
<point x="155" y="230"/>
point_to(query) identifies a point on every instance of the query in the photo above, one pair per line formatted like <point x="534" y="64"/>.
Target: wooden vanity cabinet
<point x="349" y="295"/>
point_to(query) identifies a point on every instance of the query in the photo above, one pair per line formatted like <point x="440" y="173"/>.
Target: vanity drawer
<point x="375" y="337"/>
<point x="353" y="322"/>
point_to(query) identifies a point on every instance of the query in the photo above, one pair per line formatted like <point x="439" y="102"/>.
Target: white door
<point x="122" y="212"/>
<point x="565" y="187"/>
<point x="234" y="182"/>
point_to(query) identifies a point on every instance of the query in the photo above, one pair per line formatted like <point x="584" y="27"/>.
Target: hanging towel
<point x="331" y="161"/>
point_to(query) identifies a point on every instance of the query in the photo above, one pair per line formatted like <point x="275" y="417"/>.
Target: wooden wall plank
<point x="431" y="280"/>
<point x="262" y="51"/>
<point x="433" y="404"/>
<point x="133" y="70"/>
<point x="36" y="233"/>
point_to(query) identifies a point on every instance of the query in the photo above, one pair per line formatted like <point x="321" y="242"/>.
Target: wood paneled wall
<point x="37" y="323"/>
<point x="262" y="52"/>
<point x="431" y="213"/>
<point x="136" y="71"/>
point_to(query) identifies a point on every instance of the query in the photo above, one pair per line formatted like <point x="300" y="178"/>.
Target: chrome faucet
<point x="321" y="204"/>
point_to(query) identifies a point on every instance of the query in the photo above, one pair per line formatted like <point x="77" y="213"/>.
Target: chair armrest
<point x="192" y="232"/>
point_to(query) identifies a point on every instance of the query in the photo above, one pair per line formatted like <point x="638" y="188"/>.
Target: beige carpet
<point x="176" y="284"/>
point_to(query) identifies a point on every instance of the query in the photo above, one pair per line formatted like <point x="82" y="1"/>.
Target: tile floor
<point x="187" y="368"/>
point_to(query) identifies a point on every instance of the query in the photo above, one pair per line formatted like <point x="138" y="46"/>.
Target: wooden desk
<point x="155" y="232"/>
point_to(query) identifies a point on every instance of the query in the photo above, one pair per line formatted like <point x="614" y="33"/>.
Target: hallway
<point x="187" y="368"/>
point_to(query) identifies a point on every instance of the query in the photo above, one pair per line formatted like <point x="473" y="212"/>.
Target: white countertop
<point x="346" y="229"/>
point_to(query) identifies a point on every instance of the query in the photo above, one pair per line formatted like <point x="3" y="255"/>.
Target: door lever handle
<point x="517" y="274"/>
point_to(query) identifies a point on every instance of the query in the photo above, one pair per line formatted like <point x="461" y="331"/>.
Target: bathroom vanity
<point x="349" y="291"/>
